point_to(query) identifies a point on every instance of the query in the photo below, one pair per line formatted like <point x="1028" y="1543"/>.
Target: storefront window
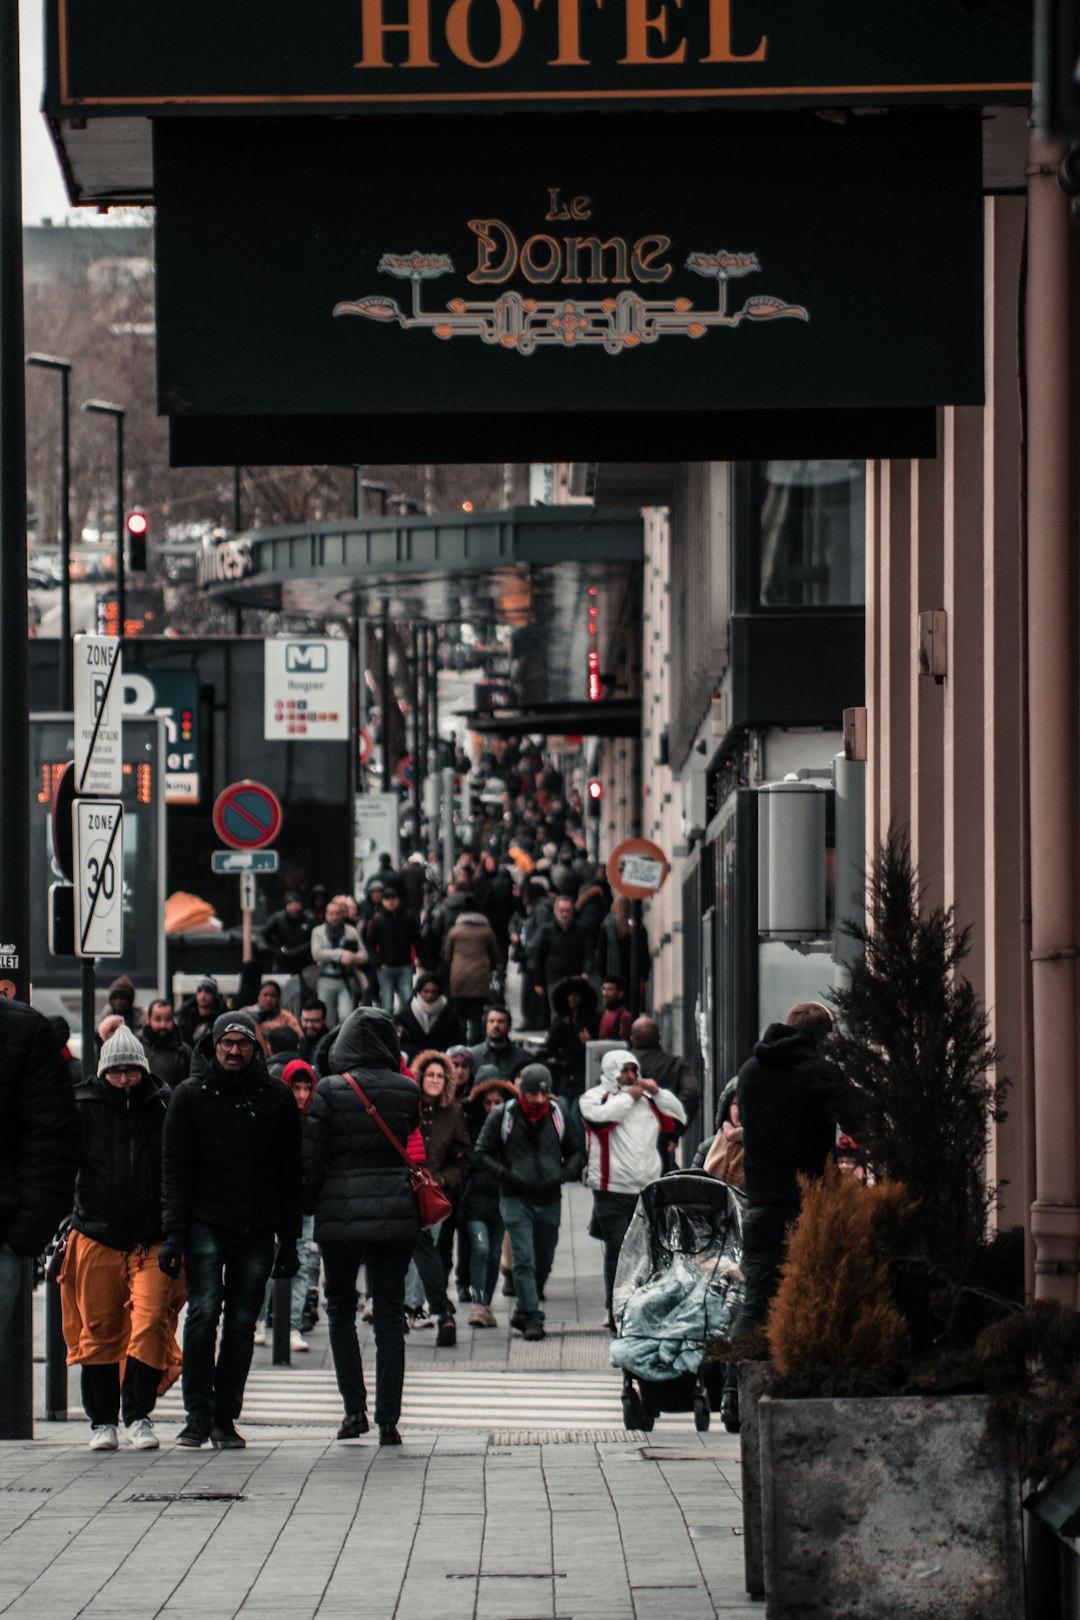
<point x="813" y="533"/>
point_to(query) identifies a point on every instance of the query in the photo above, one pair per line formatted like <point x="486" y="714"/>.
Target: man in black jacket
<point x="560" y="950"/>
<point x="497" y="1051"/>
<point x="788" y="1099"/>
<point x="168" y="1055"/>
<point x="39" y="1151"/>
<point x="392" y="937"/>
<point x="530" y="1147"/>
<point x="199" y="1013"/>
<point x="288" y="934"/>
<point x="117" y="1305"/>
<point x="231" y="1179"/>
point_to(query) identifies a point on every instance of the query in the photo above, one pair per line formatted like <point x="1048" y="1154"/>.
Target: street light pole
<point x="49" y="362"/>
<point x="102" y="407"/>
<point x="16" y="1331"/>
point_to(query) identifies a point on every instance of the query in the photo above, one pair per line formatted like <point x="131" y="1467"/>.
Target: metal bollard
<point x="56" y="1373"/>
<point x="282" y="1321"/>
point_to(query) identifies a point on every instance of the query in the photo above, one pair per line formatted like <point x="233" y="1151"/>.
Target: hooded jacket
<point x="530" y="1160"/>
<point x="787" y="1097"/>
<point x="355" y="1182"/>
<point x="623" y="1132"/>
<point x="39" y="1130"/>
<point x="231" y="1152"/>
<point x="472" y="952"/>
<point x="118" y="1187"/>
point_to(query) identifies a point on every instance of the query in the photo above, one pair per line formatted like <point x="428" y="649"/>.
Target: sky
<point x="44" y="196"/>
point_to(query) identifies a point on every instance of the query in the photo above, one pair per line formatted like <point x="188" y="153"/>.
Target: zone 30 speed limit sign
<point x="99" y="876"/>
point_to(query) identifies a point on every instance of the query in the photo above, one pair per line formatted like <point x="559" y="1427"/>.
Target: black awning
<point x="618" y="717"/>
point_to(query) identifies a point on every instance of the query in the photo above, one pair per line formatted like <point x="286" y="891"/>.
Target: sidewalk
<point x="517" y="1495"/>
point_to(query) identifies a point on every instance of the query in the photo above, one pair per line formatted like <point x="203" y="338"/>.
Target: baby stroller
<point x="677" y="1288"/>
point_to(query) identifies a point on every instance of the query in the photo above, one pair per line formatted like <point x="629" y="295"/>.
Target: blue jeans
<point x="386" y="1267"/>
<point x="227" y="1269"/>
<point x="395" y="979"/>
<point x="485" y="1252"/>
<point x="533" y="1230"/>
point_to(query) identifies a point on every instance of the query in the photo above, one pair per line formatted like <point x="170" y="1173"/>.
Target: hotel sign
<point x="610" y="267"/>
<point x="122" y="57"/>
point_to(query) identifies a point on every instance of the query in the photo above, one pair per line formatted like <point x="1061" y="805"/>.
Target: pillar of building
<point x="1006" y="939"/>
<point x="1052" y="730"/>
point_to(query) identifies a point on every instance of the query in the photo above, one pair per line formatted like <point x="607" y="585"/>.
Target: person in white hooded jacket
<point x="625" y="1119"/>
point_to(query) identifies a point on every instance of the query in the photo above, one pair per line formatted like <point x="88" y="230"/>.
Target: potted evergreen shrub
<point x="884" y="1492"/>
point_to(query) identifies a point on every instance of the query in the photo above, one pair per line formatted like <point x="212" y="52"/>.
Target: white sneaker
<point x="141" y="1435"/>
<point x="260" y="1333"/>
<point x="297" y="1340"/>
<point x="103" y="1437"/>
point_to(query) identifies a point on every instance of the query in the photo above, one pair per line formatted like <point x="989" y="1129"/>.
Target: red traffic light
<point x="596" y="789"/>
<point x="137" y="523"/>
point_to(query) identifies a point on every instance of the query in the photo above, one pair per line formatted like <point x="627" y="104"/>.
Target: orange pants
<point x="116" y="1304"/>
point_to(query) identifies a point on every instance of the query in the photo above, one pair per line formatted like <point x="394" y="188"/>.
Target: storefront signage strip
<point x="379" y="54"/>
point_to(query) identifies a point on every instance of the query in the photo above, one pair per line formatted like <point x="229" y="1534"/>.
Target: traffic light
<point x="138" y="525"/>
<point x="595" y="792"/>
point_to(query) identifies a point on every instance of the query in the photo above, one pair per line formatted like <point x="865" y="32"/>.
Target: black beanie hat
<point x="235" y="1023"/>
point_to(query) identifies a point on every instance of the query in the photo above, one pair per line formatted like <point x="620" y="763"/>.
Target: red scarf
<point x="534" y="1105"/>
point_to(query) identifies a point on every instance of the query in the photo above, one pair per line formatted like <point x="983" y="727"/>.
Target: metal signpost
<point x="638" y="869"/>
<point x="247" y="816"/>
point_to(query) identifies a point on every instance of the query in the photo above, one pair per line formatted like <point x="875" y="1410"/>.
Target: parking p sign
<point x="306" y="691"/>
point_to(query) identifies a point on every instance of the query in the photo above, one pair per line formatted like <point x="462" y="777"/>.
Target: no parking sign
<point x="247" y="815"/>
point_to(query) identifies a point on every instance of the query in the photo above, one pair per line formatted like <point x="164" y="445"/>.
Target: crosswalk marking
<point x="448" y="1399"/>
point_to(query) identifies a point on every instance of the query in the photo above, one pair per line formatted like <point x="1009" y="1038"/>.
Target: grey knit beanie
<point x="123" y="1050"/>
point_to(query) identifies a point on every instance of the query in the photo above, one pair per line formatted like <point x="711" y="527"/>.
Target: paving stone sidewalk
<point x="514" y="1516"/>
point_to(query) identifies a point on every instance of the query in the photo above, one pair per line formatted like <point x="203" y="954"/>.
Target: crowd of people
<point x="202" y="1152"/>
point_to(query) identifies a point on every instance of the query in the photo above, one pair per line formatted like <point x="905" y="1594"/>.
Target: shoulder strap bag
<point x="432" y="1204"/>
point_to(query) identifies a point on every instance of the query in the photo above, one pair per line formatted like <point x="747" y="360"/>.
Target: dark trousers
<point x="470" y="1009"/>
<point x="104" y="1398"/>
<point x="612" y="1214"/>
<point x="386" y="1265"/>
<point x="226" y="1278"/>
<point x="764" y="1236"/>
<point x="433" y="1276"/>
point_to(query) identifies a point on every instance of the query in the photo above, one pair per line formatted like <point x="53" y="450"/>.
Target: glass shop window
<point x="812" y="528"/>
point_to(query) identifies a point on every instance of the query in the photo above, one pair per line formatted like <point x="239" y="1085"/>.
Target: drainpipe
<point x="1052" y="727"/>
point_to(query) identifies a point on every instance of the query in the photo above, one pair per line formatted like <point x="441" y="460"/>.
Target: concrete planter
<point x="753" y="1376"/>
<point x="897" y="1507"/>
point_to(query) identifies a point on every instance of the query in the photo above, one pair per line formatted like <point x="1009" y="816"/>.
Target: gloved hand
<point x="171" y="1254"/>
<point x="286" y="1261"/>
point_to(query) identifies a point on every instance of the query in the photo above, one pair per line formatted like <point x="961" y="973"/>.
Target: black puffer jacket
<point x="788" y="1101"/>
<point x="355" y="1182"/>
<point x="118" y="1190"/>
<point x="530" y="1161"/>
<point x="39" y="1131"/>
<point x="231" y="1154"/>
<point x="169" y="1057"/>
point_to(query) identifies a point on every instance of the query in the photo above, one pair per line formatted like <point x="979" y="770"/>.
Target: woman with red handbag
<point x="358" y="1185"/>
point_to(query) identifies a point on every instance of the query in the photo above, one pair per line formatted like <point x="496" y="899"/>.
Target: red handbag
<point x="432" y="1204"/>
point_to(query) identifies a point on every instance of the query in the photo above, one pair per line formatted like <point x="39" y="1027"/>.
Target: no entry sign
<point x="247" y="815"/>
<point x="637" y="868"/>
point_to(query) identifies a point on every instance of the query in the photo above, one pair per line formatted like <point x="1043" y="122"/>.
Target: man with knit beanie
<point x="119" y="1311"/>
<point x="530" y="1147"/>
<point x="231" y="1180"/>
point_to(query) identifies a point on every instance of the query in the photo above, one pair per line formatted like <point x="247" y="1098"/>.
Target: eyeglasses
<point x="241" y="1045"/>
<point x="125" y="1074"/>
